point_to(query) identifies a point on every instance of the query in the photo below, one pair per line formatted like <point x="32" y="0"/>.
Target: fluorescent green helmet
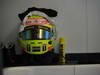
<point x="37" y="35"/>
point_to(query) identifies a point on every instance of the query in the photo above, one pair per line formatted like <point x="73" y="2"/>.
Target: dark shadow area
<point x="43" y="60"/>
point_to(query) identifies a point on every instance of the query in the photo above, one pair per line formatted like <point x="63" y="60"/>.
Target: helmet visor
<point x="36" y="33"/>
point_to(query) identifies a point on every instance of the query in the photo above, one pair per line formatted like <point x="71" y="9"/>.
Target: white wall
<point x="39" y="70"/>
<point x="93" y="9"/>
<point x="75" y="21"/>
<point x="92" y="69"/>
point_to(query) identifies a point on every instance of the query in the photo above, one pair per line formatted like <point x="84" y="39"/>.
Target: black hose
<point x="9" y="54"/>
<point x="1" y="57"/>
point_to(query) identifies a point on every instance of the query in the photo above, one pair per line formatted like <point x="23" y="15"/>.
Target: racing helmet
<point x="37" y="34"/>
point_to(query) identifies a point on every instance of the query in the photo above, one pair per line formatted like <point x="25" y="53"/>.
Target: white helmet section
<point x="23" y="24"/>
